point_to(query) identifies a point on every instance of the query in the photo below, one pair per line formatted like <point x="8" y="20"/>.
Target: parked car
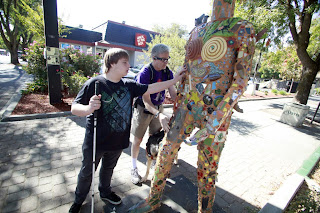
<point x="131" y="75"/>
<point x="136" y="68"/>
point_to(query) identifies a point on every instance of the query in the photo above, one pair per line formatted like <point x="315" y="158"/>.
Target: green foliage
<point x="36" y="62"/>
<point x="17" y="21"/>
<point x="76" y="82"/>
<point x="36" y="87"/>
<point x="262" y="16"/>
<point x="314" y="45"/>
<point x="173" y="29"/>
<point x="295" y="17"/>
<point x="73" y="60"/>
<point x="317" y="91"/>
<point x="2" y="45"/>
<point x="281" y="92"/>
<point x="266" y="92"/>
<point x="306" y="200"/>
<point x="176" y="43"/>
<point x="76" y="68"/>
<point x="282" y="63"/>
<point x="269" y="73"/>
<point x="274" y="91"/>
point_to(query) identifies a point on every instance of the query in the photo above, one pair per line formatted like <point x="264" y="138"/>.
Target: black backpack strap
<point x="151" y="74"/>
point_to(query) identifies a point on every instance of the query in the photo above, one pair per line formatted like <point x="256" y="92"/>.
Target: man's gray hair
<point x="158" y="49"/>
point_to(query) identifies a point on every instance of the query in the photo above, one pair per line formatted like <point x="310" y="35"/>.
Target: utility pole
<point x="52" y="50"/>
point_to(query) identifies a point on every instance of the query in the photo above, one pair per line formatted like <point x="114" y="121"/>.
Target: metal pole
<point x="52" y="50"/>
<point x="95" y="115"/>
<point x="315" y="113"/>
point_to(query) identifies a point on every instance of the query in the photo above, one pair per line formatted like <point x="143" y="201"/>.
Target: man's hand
<point x="180" y="74"/>
<point x="95" y="103"/>
<point x="164" y="121"/>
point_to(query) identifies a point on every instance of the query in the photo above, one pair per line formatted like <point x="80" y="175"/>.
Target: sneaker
<point x="112" y="198"/>
<point x="75" y="208"/>
<point x="135" y="177"/>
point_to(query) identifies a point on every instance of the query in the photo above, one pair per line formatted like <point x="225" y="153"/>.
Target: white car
<point x="131" y="75"/>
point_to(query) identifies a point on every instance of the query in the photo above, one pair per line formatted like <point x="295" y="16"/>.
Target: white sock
<point x="134" y="163"/>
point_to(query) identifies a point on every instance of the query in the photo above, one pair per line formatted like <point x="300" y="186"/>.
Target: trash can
<point x="257" y="86"/>
<point x="294" y="114"/>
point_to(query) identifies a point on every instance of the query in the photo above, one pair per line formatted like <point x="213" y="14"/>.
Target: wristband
<point x="157" y="115"/>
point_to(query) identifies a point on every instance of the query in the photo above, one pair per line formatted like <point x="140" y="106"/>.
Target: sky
<point x="139" y="13"/>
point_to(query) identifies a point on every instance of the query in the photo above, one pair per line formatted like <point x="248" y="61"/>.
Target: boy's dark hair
<point x="113" y="55"/>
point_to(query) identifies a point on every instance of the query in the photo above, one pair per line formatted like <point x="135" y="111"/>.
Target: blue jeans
<point x="109" y="161"/>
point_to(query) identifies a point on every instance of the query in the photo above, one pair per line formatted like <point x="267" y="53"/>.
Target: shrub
<point x="281" y="92"/>
<point x="76" y="82"/>
<point x="72" y="60"/>
<point x="36" y="86"/>
<point x="75" y="67"/>
<point x="317" y="91"/>
<point x="37" y="65"/>
<point x="274" y="91"/>
<point x="266" y="92"/>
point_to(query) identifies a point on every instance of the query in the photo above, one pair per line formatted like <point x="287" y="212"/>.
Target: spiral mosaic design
<point x="194" y="49"/>
<point x="214" y="49"/>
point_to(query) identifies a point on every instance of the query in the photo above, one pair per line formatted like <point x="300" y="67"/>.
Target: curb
<point x="281" y="199"/>
<point x="14" y="100"/>
<point x="7" y="110"/>
<point x="36" y="116"/>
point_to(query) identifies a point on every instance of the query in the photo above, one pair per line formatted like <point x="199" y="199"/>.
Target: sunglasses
<point x="161" y="59"/>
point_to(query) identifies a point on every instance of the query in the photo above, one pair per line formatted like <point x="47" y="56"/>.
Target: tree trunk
<point x="305" y="84"/>
<point x="14" y="57"/>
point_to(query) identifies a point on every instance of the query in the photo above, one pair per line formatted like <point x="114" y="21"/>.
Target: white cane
<point x="96" y="86"/>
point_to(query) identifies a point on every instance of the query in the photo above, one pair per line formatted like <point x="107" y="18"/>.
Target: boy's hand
<point x="180" y="74"/>
<point x="95" y="103"/>
<point x="164" y="121"/>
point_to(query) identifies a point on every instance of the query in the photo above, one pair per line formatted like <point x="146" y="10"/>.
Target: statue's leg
<point x="209" y="152"/>
<point x="167" y="152"/>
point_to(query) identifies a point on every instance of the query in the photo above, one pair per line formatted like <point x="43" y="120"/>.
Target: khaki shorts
<point x="141" y="121"/>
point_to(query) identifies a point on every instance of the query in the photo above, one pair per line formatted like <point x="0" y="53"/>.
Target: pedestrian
<point x="157" y="71"/>
<point x="114" y="106"/>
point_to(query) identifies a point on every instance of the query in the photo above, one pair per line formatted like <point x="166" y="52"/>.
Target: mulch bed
<point x="39" y="103"/>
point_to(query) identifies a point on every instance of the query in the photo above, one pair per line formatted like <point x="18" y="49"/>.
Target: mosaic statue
<point x="218" y="59"/>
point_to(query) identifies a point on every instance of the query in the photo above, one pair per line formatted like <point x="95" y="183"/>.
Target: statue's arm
<point x="242" y="68"/>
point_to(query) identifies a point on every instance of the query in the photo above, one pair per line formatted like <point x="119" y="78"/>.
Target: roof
<point x="82" y="35"/>
<point x="122" y="34"/>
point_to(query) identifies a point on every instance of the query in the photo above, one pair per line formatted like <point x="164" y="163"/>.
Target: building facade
<point x="109" y="35"/>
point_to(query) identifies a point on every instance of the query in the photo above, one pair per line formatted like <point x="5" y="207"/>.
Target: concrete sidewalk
<point x="41" y="158"/>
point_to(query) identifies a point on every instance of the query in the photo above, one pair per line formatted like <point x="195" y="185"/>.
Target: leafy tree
<point x="2" y="45"/>
<point x="173" y="29"/>
<point x="296" y="17"/>
<point x="314" y="45"/>
<point x="282" y="63"/>
<point x="172" y="37"/>
<point x="16" y="18"/>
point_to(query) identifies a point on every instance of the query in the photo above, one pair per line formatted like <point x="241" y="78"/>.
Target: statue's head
<point x="222" y="9"/>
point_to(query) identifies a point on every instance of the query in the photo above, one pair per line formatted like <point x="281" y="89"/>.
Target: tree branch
<point x="292" y="22"/>
<point x="318" y="60"/>
<point x="304" y="34"/>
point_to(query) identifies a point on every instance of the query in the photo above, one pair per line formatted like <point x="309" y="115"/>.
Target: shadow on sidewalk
<point x="37" y="164"/>
<point x="242" y="127"/>
<point x="181" y="191"/>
